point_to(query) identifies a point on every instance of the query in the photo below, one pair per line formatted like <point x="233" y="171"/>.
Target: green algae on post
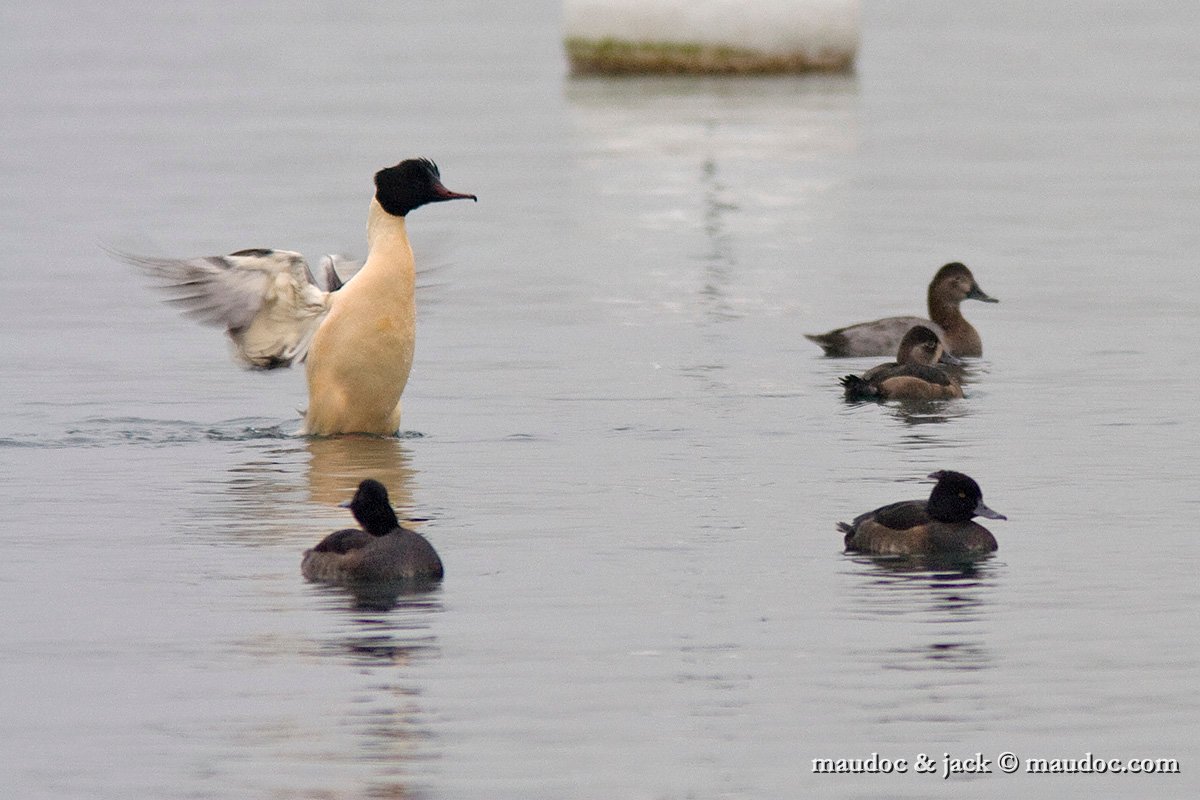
<point x="614" y="57"/>
<point x="710" y="36"/>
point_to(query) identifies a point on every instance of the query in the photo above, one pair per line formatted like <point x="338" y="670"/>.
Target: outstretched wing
<point x="266" y="300"/>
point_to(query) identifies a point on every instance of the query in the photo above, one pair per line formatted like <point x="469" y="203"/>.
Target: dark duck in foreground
<point x="356" y="339"/>
<point x="939" y="526"/>
<point x="914" y="375"/>
<point x="382" y="552"/>
<point x="951" y="285"/>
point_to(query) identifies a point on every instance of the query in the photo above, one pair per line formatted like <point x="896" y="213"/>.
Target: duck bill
<point x="345" y="504"/>
<point x="950" y="359"/>
<point x="441" y="193"/>
<point x="983" y="511"/>
<point x="979" y="294"/>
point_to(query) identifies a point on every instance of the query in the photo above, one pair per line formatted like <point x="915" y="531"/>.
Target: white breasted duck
<point x="914" y="375"/>
<point x="382" y="552"/>
<point x="951" y="285"/>
<point x="356" y="340"/>
<point x="941" y="525"/>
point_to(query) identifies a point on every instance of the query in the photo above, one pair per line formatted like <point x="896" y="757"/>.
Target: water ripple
<point x="116" y="431"/>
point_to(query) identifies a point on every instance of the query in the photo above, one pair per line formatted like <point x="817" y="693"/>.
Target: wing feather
<point x="900" y="516"/>
<point x="266" y="300"/>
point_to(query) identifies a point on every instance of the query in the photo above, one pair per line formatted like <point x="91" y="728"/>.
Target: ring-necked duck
<point x="912" y="376"/>
<point x="941" y="525"/>
<point x="382" y="552"/>
<point x="951" y="285"/>
<point x="356" y="340"/>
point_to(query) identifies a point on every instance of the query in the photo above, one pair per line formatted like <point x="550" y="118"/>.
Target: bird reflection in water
<point x="337" y="464"/>
<point x="385" y="638"/>
<point x="382" y="628"/>
<point x="950" y="593"/>
<point x="415" y="595"/>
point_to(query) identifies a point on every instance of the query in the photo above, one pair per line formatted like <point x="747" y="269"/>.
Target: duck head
<point x="957" y="498"/>
<point x="372" y="509"/>
<point x="954" y="283"/>
<point x="411" y="184"/>
<point x="920" y="346"/>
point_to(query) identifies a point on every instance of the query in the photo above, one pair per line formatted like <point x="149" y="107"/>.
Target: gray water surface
<point x="615" y="434"/>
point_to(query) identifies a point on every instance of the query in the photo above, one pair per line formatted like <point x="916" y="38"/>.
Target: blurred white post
<point x="710" y="36"/>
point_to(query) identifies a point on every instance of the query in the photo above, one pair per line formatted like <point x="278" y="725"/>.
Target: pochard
<point x="951" y="285"/>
